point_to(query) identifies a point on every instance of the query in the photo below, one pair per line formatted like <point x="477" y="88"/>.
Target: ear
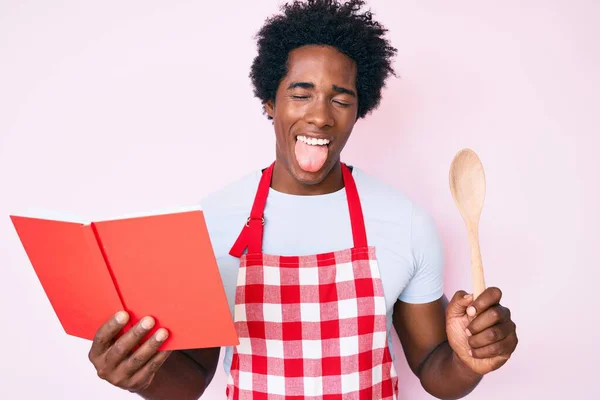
<point x="270" y="108"/>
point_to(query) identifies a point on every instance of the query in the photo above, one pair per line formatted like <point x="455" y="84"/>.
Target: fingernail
<point x="468" y="332"/>
<point x="161" y="335"/>
<point x="467" y="296"/>
<point x="121" y="317"/>
<point x="147" y="323"/>
<point x="470" y="353"/>
<point x="471" y="311"/>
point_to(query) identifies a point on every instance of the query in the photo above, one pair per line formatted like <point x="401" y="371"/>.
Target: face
<point x="314" y="111"/>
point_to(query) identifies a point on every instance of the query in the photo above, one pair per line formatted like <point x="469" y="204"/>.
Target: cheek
<point x="286" y="115"/>
<point x="291" y="112"/>
<point x="346" y="123"/>
<point x="282" y="129"/>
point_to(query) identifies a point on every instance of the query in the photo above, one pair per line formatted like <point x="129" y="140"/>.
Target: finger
<point x="144" y="376"/>
<point x="106" y="333"/>
<point x="491" y="335"/>
<point x="488" y="318"/>
<point x="488" y="298"/>
<point x="122" y="347"/>
<point x="502" y="348"/>
<point x="140" y="357"/>
<point x="459" y="303"/>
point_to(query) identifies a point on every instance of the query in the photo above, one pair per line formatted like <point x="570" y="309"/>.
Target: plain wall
<point x="114" y="107"/>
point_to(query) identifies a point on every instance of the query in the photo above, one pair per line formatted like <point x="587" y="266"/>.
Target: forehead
<point x="321" y="65"/>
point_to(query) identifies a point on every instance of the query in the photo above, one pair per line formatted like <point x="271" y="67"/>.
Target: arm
<point x="420" y="319"/>
<point x="184" y="375"/>
<point x="422" y="332"/>
<point x="448" y="348"/>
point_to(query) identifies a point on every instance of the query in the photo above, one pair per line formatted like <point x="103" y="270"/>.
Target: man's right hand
<point x="114" y="359"/>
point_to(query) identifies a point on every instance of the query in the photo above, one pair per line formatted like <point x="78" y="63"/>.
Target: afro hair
<point x="343" y="26"/>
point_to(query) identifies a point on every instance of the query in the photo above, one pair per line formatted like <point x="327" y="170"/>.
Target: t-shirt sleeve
<point x="427" y="282"/>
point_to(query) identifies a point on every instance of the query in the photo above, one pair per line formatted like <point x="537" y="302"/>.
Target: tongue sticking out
<point x="311" y="158"/>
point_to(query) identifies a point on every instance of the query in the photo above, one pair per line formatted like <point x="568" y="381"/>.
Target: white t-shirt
<point x="407" y="243"/>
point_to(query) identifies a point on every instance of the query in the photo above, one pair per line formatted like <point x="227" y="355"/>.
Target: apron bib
<point x="310" y="327"/>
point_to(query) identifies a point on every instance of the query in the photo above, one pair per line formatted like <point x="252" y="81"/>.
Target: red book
<point x="160" y="265"/>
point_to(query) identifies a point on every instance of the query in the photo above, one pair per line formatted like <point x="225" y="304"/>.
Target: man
<point x="328" y="258"/>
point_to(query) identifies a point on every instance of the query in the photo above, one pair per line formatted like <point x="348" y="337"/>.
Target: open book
<point x="161" y="265"/>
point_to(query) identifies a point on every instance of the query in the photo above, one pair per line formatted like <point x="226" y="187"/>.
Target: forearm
<point x="445" y="376"/>
<point x="180" y="377"/>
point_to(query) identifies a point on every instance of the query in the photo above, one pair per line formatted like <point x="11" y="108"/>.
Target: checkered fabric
<point x="311" y="327"/>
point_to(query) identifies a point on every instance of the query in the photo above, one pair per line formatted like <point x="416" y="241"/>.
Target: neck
<point x="283" y="181"/>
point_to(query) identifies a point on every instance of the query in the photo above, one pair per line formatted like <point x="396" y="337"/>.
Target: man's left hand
<point x="481" y="332"/>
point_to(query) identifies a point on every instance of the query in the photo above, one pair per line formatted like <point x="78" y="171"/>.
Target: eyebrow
<point x="309" y="85"/>
<point x="343" y="90"/>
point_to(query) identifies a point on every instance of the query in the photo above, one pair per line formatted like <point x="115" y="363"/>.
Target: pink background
<point x="115" y="107"/>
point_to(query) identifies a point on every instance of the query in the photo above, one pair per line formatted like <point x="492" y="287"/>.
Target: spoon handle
<point x="476" y="263"/>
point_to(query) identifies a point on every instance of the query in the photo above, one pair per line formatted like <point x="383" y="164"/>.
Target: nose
<point x="320" y="114"/>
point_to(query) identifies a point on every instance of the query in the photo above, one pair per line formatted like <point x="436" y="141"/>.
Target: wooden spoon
<point x="467" y="184"/>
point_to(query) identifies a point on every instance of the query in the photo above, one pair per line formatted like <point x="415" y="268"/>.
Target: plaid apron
<point x="310" y="327"/>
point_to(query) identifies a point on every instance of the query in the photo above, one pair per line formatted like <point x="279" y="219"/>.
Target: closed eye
<point x="342" y="103"/>
<point x="294" y="96"/>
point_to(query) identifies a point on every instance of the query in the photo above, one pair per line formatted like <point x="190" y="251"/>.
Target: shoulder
<point x="233" y="197"/>
<point x="226" y="210"/>
<point x="382" y="199"/>
<point x="385" y="203"/>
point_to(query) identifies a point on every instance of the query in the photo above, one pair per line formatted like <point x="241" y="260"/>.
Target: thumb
<point x="459" y="304"/>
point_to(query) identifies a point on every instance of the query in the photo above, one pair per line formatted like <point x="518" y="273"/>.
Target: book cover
<point x="161" y="265"/>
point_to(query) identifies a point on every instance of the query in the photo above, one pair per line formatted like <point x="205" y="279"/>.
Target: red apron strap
<point x="252" y="232"/>
<point x="359" y="233"/>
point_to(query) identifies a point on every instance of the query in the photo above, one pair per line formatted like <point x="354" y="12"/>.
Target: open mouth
<point x="311" y="153"/>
